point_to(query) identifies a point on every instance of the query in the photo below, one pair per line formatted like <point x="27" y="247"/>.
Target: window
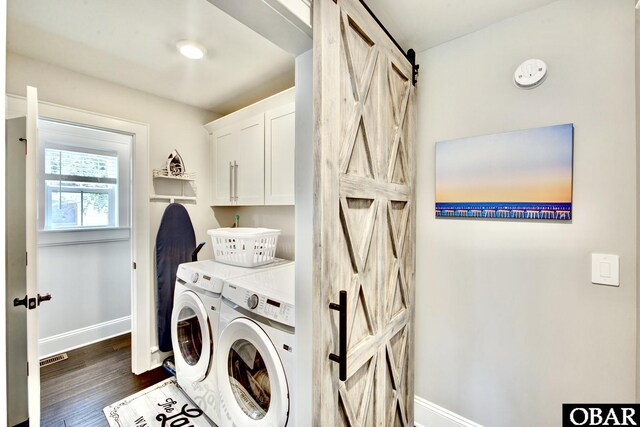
<point x="85" y="177"/>
<point x="80" y="189"/>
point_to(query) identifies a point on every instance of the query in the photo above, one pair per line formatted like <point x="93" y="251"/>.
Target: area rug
<point x="162" y="405"/>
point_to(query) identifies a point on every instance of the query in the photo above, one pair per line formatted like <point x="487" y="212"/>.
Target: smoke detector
<point x="530" y="74"/>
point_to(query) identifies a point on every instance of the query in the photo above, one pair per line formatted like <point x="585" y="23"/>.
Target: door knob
<point x="42" y="298"/>
<point x="17" y="302"/>
<point x="27" y="302"/>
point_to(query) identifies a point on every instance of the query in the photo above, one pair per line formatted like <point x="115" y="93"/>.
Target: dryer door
<point x="191" y="335"/>
<point x="251" y="378"/>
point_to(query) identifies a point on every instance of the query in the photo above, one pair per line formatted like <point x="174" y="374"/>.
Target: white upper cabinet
<point x="238" y="163"/>
<point x="280" y="143"/>
<point x="252" y="154"/>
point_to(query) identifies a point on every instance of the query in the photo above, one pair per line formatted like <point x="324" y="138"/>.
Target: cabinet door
<point x="222" y="150"/>
<point x="279" y="140"/>
<point x="249" y="162"/>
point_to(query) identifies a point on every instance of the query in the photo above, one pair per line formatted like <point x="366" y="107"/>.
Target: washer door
<point x="191" y="336"/>
<point x="252" y="382"/>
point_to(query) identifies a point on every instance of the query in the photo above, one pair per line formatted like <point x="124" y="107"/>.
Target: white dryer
<point x="255" y="356"/>
<point x="194" y="327"/>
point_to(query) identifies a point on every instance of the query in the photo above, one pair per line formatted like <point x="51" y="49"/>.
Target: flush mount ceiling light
<point x="191" y="49"/>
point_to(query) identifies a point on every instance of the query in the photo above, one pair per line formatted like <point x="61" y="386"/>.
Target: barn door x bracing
<point x="364" y="230"/>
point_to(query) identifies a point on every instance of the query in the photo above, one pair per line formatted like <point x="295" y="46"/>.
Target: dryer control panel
<point x="261" y="304"/>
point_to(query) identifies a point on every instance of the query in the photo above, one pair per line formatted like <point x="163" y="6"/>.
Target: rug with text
<point x="162" y="405"/>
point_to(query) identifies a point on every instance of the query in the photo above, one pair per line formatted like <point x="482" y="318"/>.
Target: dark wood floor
<point x="75" y="391"/>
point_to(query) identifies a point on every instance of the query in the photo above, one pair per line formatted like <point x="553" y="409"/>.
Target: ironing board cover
<point x="175" y="242"/>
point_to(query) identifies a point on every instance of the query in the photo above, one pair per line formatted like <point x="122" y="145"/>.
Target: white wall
<point x="172" y="125"/>
<point x="508" y="324"/>
<point x="91" y="289"/>
<point x="279" y="217"/>
<point x="303" y="388"/>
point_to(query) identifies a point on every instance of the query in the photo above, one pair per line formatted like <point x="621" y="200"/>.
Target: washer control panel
<point x="261" y="304"/>
<point x="199" y="279"/>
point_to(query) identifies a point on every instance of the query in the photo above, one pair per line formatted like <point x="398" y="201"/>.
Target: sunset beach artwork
<point x="523" y="174"/>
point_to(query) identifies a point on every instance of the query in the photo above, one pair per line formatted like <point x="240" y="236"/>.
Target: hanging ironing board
<point x="175" y="243"/>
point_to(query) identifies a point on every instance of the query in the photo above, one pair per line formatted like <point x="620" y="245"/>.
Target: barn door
<point x="364" y="226"/>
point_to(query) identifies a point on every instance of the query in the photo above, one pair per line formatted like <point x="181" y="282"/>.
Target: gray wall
<point x="637" y="203"/>
<point x="508" y="324"/>
<point x="172" y="125"/>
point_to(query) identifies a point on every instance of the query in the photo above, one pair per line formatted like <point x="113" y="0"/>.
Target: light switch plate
<point x="605" y="269"/>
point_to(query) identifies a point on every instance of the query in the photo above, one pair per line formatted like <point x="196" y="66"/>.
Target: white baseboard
<point x="428" y="414"/>
<point x="83" y="336"/>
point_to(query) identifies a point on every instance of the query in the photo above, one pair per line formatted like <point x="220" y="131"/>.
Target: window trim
<point x="68" y="136"/>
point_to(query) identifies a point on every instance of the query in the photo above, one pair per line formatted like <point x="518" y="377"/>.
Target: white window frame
<point x="64" y="135"/>
<point x="113" y="218"/>
<point x="48" y="191"/>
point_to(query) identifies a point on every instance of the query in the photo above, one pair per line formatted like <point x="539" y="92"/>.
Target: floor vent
<point x="53" y="359"/>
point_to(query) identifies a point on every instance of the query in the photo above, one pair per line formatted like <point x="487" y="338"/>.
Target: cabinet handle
<point x="341" y="359"/>
<point x="235" y="180"/>
<point x="230" y="182"/>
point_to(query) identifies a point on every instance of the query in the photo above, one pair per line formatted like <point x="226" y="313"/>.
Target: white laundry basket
<point x="243" y="246"/>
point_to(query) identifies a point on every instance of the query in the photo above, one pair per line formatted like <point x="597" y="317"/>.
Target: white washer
<point x="194" y="327"/>
<point x="254" y="360"/>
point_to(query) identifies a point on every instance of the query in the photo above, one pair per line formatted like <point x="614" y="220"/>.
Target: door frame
<point x="142" y="357"/>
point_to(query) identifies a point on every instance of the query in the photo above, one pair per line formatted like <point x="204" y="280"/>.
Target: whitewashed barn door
<point x="364" y="234"/>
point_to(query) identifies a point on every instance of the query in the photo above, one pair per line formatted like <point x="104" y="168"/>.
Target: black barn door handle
<point x="342" y="358"/>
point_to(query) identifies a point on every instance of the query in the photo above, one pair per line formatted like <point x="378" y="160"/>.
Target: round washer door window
<point x="191" y="337"/>
<point x="251" y="378"/>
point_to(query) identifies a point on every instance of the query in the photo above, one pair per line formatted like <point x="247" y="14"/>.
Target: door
<point x="222" y="148"/>
<point x="279" y="150"/>
<point x="249" y="162"/>
<point x="364" y="225"/>
<point x="251" y="378"/>
<point x="16" y="281"/>
<point x="24" y="299"/>
<point x="238" y="153"/>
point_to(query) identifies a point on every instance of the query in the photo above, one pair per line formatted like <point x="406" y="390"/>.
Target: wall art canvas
<point x="525" y="174"/>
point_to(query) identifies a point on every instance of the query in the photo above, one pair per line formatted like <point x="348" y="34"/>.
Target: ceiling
<point x="422" y="24"/>
<point x="132" y="43"/>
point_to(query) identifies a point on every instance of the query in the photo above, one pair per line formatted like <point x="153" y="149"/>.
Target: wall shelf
<point x="171" y="198"/>
<point x="174" y="178"/>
